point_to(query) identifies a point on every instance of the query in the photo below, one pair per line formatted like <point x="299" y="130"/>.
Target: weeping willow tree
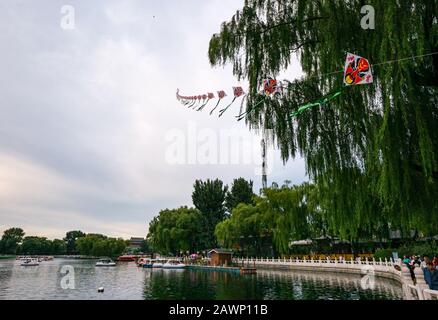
<point x="279" y="216"/>
<point x="373" y="151"/>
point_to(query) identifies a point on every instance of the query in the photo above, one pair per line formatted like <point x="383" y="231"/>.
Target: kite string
<point x="375" y="65"/>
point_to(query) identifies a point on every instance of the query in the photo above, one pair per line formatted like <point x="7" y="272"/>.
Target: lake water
<point x="126" y="281"/>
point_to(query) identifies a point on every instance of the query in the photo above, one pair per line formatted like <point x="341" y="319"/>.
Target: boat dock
<point x="248" y="270"/>
<point x="240" y="270"/>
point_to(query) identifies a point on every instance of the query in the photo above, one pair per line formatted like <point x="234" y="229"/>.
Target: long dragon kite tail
<point x="242" y="115"/>
<point x="195" y="105"/>
<point x="191" y="104"/>
<point x="241" y="104"/>
<point x="221" y="112"/>
<point x="203" y="106"/>
<point x="217" y="104"/>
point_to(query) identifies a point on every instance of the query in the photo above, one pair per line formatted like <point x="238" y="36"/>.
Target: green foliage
<point x="373" y="151"/>
<point x="248" y="229"/>
<point x="280" y="216"/>
<point x="430" y="249"/>
<point x="209" y="198"/>
<point x="70" y="239"/>
<point x="41" y="246"/>
<point x="145" y="248"/>
<point x="58" y="247"/>
<point x="100" y="245"/>
<point x="241" y="192"/>
<point x="10" y="240"/>
<point x="177" y="230"/>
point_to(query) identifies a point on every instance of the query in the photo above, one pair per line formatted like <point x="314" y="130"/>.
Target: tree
<point x="59" y="247"/>
<point x="241" y="192"/>
<point x="209" y="197"/>
<point x="84" y="245"/>
<point x="375" y="148"/>
<point x="279" y="216"/>
<point x="177" y="230"/>
<point x="70" y="239"/>
<point x="11" y="239"/>
<point x="145" y="248"/>
<point x="33" y="245"/>
<point x="249" y="229"/>
<point x="99" y="245"/>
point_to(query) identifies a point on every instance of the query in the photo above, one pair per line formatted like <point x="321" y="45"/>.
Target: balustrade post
<point x="421" y="284"/>
<point x="407" y="280"/>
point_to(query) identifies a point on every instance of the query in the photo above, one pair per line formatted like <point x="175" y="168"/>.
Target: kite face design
<point x="269" y="86"/>
<point x="357" y="71"/>
<point x="238" y="91"/>
<point x="221" y="94"/>
<point x="272" y="87"/>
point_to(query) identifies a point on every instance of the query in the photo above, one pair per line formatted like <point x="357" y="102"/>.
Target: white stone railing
<point x="385" y="268"/>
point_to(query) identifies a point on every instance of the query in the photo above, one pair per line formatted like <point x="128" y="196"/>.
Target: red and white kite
<point x="357" y="70"/>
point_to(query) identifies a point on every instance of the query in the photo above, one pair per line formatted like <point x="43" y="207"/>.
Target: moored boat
<point x="127" y="258"/>
<point x="145" y="262"/>
<point x="174" y="264"/>
<point x="29" y="263"/>
<point x="105" y="263"/>
<point x="158" y="263"/>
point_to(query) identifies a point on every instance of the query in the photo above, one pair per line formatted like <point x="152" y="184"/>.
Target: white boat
<point x="29" y="263"/>
<point x="145" y="262"/>
<point x="158" y="263"/>
<point x="105" y="263"/>
<point x="24" y="258"/>
<point x="174" y="264"/>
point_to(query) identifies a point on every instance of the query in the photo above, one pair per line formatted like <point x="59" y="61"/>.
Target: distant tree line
<point x="14" y="242"/>
<point x="265" y="224"/>
<point x="184" y="229"/>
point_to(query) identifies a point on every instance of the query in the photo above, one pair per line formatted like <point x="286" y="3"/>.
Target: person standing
<point x="435" y="262"/>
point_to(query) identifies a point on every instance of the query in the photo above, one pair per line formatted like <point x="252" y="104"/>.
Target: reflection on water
<point x="126" y="281"/>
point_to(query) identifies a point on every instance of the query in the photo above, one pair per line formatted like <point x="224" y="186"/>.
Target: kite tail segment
<point x="221" y="112"/>
<point x="217" y="104"/>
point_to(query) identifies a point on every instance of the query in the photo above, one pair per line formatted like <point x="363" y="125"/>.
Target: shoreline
<point x="383" y="269"/>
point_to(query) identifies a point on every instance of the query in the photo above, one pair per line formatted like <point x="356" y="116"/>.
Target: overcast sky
<point x="87" y="116"/>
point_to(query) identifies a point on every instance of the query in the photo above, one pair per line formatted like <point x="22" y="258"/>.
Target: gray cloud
<point x="84" y="113"/>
